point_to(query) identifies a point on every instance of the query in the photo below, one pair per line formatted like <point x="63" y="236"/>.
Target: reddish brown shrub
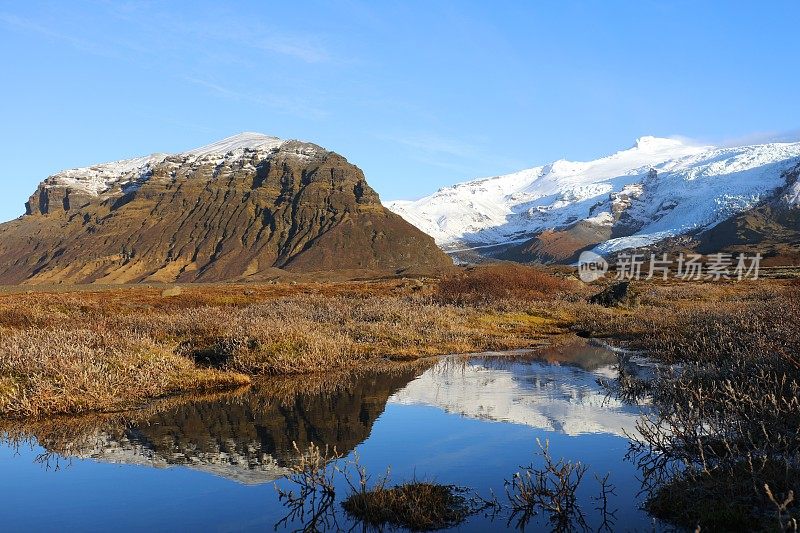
<point x="488" y="283"/>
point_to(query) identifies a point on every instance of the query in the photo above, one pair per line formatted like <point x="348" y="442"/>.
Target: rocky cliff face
<point x="235" y="210"/>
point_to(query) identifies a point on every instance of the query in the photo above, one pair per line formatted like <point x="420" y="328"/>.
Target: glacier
<point x="664" y="186"/>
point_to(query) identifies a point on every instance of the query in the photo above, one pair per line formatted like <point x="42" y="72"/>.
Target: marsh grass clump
<point x="724" y="500"/>
<point x="67" y="371"/>
<point x="418" y="506"/>
<point x="309" y="333"/>
<point x="551" y="489"/>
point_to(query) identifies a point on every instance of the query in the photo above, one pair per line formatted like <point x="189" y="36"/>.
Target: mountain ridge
<point x="248" y="207"/>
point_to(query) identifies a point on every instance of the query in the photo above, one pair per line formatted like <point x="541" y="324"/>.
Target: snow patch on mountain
<point x="97" y="179"/>
<point x="128" y="174"/>
<point x="604" y="218"/>
<point x="634" y="241"/>
<point x="240" y="142"/>
<point x="663" y="187"/>
<point x="792" y="197"/>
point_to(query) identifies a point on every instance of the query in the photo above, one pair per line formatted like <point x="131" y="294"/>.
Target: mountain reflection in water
<point x="555" y="388"/>
<point x="248" y="437"/>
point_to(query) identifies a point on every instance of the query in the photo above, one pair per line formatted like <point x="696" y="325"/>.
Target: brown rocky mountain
<point x="560" y="246"/>
<point x="249" y="207"/>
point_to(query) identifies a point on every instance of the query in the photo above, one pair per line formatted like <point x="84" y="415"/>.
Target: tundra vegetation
<point x="720" y="450"/>
<point x="79" y="351"/>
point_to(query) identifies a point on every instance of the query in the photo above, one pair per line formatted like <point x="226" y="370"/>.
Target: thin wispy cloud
<point x="181" y="45"/>
<point x="30" y="26"/>
<point x="196" y="30"/>
<point x="166" y="34"/>
<point x="436" y="144"/>
<point x="469" y="158"/>
<point x="295" y="106"/>
<point x="297" y="48"/>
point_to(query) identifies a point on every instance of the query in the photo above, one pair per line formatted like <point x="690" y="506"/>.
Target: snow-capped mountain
<point x="657" y="189"/>
<point x="247" y="207"/>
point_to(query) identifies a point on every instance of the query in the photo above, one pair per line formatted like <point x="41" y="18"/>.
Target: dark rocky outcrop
<point x="613" y="295"/>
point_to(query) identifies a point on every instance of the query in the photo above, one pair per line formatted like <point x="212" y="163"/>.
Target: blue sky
<point x="418" y="94"/>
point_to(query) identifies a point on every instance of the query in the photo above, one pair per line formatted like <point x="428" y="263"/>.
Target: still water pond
<point x="212" y="463"/>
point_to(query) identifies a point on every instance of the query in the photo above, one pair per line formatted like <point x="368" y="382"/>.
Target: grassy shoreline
<point x="108" y="350"/>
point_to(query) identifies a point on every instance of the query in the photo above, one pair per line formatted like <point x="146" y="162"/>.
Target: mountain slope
<point x="236" y="209"/>
<point x="775" y="220"/>
<point x="658" y="189"/>
<point x="771" y="227"/>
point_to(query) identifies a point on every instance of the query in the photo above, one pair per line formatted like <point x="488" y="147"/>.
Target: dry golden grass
<point x="85" y="350"/>
<point x="72" y="352"/>
<point x="57" y="370"/>
<point x="724" y="426"/>
<point x="495" y="282"/>
<point x="310" y="333"/>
